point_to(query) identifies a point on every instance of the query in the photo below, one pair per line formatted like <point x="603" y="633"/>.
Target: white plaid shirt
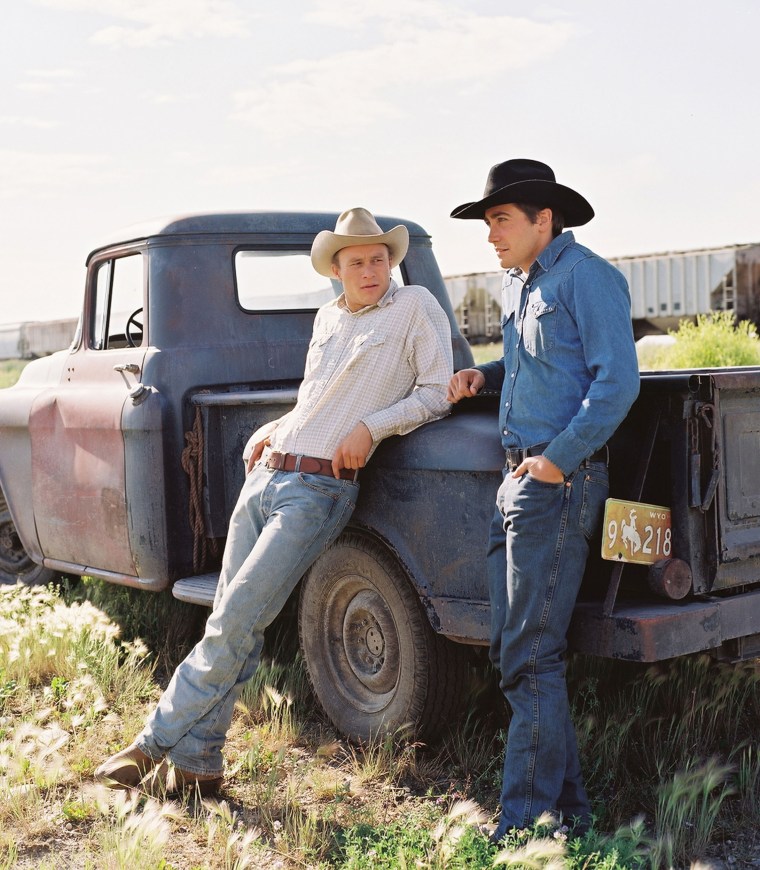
<point x="387" y="365"/>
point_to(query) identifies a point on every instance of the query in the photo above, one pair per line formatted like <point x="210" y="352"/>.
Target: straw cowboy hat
<point x="356" y="227"/>
<point x="528" y="181"/>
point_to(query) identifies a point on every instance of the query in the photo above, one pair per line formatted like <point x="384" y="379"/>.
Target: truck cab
<point x="179" y="316"/>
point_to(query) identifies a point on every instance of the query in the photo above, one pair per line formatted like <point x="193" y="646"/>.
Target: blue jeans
<point x="536" y="559"/>
<point x="281" y="523"/>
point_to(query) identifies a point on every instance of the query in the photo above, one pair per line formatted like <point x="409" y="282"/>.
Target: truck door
<point x="78" y="444"/>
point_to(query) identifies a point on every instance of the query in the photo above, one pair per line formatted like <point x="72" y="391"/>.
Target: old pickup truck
<point x="120" y="458"/>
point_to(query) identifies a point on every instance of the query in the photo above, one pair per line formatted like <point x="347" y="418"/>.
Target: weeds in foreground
<point x="227" y="833"/>
<point x="687" y="810"/>
<point x="746" y="757"/>
<point x="638" y="734"/>
<point x="454" y="842"/>
<point x="69" y="649"/>
<point x="458" y="843"/>
<point x="674" y="745"/>
<point x="168" y="628"/>
<point x="136" y="833"/>
<point x="272" y="698"/>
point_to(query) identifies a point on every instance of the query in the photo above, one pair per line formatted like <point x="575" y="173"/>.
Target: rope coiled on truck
<point x="192" y="463"/>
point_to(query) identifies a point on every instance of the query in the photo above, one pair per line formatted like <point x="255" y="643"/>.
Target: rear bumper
<point x="652" y="632"/>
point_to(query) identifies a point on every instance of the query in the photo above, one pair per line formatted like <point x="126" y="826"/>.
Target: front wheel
<point x="15" y="564"/>
<point x="374" y="662"/>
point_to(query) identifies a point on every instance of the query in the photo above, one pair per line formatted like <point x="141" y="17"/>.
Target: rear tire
<point x="15" y="564"/>
<point x="374" y="662"/>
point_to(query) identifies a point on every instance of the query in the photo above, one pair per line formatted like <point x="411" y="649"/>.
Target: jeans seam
<point x="532" y="675"/>
<point x="531" y="773"/>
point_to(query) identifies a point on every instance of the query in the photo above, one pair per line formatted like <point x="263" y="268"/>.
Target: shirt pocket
<point x="372" y="351"/>
<point x="540" y="326"/>
<point x="367" y="342"/>
<point x="318" y="347"/>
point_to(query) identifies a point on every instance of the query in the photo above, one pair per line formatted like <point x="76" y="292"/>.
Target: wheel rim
<point x="370" y="641"/>
<point x="361" y="643"/>
<point x="13" y="557"/>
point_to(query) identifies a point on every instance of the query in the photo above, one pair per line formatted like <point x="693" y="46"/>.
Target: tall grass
<point x="670" y="754"/>
<point x="687" y="809"/>
<point x="675" y="741"/>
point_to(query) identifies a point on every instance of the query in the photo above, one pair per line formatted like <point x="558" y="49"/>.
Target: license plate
<point x="636" y="532"/>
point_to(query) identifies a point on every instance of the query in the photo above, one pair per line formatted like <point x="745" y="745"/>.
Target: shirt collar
<point x="384" y="300"/>
<point x="550" y="254"/>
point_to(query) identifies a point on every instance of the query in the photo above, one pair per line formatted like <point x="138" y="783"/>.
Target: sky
<point x="117" y="111"/>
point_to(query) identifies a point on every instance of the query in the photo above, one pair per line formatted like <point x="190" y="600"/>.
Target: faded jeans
<point x="537" y="555"/>
<point x="281" y="523"/>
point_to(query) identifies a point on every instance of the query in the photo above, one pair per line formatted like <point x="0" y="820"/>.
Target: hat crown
<point x="515" y="171"/>
<point x="356" y="226"/>
<point x="357" y="222"/>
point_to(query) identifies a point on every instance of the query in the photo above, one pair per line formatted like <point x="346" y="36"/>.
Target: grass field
<point x="483" y="353"/>
<point x="670" y="754"/>
<point x="10" y="369"/>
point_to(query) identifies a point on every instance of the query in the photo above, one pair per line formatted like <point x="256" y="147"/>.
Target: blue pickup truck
<point x="120" y="458"/>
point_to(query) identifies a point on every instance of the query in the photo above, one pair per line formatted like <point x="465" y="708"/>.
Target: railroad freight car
<point x="35" y="338"/>
<point x="665" y="288"/>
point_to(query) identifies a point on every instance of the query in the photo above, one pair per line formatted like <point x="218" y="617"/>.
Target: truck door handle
<point x="127" y="367"/>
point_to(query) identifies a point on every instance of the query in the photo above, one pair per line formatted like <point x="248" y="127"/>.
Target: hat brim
<point x="575" y="208"/>
<point x="327" y="244"/>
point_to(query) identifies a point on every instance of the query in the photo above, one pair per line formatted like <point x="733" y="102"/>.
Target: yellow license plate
<point x="636" y="532"/>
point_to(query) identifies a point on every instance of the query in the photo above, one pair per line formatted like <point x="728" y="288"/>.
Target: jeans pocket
<point x="322" y="484"/>
<point x="330" y="487"/>
<point x="546" y="484"/>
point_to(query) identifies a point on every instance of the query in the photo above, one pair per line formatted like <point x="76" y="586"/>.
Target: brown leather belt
<point x="307" y="464"/>
<point x="516" y="455"/>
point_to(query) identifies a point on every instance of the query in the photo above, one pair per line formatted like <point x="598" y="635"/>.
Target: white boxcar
<point x="665" y="288"/>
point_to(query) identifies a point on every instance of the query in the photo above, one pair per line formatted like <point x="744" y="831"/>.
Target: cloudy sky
<point x="112" y="111"/>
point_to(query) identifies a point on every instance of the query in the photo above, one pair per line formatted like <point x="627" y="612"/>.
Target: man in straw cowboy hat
<point x="567" y="379"/>
<point x="378" y="364"/>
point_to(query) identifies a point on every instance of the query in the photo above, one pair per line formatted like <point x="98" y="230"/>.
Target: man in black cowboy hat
<point x="568" y="376"/>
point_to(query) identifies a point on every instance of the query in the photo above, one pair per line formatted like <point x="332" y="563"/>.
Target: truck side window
<point x="118" y="316"/>
<point x="283" y="280"/>
<point x="280" y="280"/>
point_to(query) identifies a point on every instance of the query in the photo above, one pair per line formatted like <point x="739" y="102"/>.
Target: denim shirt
<point x="569" y="372"/>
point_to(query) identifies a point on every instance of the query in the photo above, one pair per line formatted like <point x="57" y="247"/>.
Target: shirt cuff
<point x="567" y="452"/>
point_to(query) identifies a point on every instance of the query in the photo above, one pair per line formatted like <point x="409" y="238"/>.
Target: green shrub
<point x="716" y="340"/>
<point x="10" y="369"/>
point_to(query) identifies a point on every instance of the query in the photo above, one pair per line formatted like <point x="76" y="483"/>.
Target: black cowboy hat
<point x="529" y="181"/>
